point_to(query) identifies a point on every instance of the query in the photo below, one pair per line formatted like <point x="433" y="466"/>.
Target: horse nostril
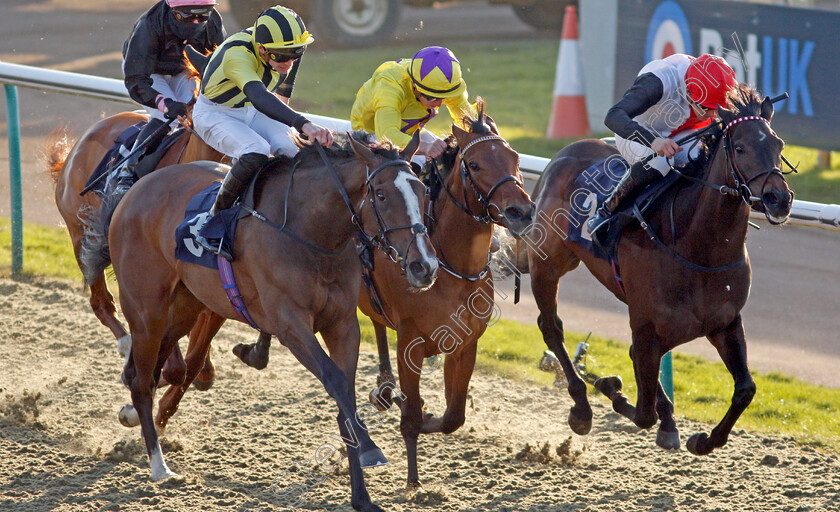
<point x="513" y="213"/>
<point x="418" y="268"/>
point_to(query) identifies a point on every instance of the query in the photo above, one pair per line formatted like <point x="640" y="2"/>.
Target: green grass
<point x="517" y="79"/>
<point x="703" y="390"/>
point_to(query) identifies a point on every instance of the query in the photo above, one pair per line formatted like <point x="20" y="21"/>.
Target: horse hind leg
<point x="545" y="276"/>
<point x="668" y="436"/>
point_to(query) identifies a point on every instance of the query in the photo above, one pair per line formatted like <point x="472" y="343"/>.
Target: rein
<point x="741" y="190"/>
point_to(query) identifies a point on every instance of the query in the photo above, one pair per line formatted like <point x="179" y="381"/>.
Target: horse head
<point x="490" y="177"/>
<point x="754" y="152"/>
<point x="394" y="205"/>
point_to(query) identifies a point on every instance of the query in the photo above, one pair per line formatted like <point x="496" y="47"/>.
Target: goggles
<point x="430" y="98"/>
<point x="285" y="55"/>
<point x="192" y="13"/>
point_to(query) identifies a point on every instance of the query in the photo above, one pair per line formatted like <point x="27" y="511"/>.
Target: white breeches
<point x="181" y="87"/>
<point x="237" y="131"/>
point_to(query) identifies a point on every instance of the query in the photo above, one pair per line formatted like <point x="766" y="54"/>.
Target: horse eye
<point x="739" y="149"/>
<point x="380" y="195"/>
<point x="473" y="166"/>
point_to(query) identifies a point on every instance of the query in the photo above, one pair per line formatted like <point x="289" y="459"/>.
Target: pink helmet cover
<point x="183" y="3"/>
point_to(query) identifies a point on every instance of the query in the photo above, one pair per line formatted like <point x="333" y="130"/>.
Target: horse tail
<point x="512" y="256"/>
<point x="57" y="147"/>
<point x="95" y="253"/>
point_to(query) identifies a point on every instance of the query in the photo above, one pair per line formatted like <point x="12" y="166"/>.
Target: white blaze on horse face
<point x="762" y="136"/>
<point x="412" y="205"/>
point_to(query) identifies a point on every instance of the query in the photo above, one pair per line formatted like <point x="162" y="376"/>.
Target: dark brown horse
<point x="692" y="285"/>
<point x="482" y="187"/>
<point x="70" y="169"/>
<point x="295" y="281"/>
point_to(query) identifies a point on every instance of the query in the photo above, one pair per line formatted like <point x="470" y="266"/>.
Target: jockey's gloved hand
<point x="173" y="109"/>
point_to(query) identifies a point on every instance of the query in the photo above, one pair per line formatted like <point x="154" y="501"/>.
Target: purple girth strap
<point x="232" y="292"/>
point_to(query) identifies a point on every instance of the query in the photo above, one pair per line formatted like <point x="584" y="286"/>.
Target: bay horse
<point x="483" y="188"/>
<point x="689" y="276"/>
<point x="296" y="280"/>
<point x="70" y="169"/>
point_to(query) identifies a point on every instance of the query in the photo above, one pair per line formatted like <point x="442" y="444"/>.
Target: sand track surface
<point x="63" y="449"/>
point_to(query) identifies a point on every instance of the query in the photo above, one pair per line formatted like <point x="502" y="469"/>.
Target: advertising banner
<point x="775" y="49"/>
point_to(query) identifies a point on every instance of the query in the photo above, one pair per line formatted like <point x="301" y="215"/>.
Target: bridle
<point x="466" y="176"/>
<point x="742" y="185"/>
<point x="379" y="241"/>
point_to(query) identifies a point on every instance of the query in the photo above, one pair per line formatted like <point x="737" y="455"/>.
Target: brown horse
<point x="70" y="169"/>
<point x="483" y="187"/>
<point x="690" y="280"/>
<point x="296" y="280"/>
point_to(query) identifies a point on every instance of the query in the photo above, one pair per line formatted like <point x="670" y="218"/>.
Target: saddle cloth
<point x="590" y="190"/>
<point x="118" y="151"/>
<point x="220" y="226"/>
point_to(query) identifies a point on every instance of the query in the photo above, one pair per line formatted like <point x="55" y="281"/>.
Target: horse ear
<point x="361" y="150"/>
<point x="491" y="123"/>
<point x="725" y="115"/>
<point x="767" y="109"/>
<point x="458" y="132"/>
<point x="409" y="150"/>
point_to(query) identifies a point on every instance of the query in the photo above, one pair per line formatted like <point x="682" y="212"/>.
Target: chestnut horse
<point x="296" y="280"/>
<point x="483" y="187"/>
<point x="691" y="280"/>
<point x="70" y="170"/>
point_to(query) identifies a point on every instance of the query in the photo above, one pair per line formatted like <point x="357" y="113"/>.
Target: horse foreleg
<point x="410" y="364"/>
<point x="381" y="396"/>
<point x="668" y="436"/>
<point x="197" y="354"/>
<point x="457" y="371"/>
<point x="254" y="355"/>
<point x="544" y="284"/>
<point x="342" y="340"/>
<point x="731" y="345"/>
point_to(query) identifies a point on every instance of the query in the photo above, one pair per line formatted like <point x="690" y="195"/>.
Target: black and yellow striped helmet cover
<point x="280" y="27"/>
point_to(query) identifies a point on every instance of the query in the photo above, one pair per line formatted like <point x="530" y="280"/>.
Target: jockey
<point x="404" y="95"/>
<point x="671" y="98"/>
<point x="243" y="109"/>
<point x="157" y="74"/>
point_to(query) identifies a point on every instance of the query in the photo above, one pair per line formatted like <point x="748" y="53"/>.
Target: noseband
<point x="466" y="176"/>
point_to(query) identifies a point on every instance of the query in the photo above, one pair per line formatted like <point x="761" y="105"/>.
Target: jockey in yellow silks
<point x="403" y="95"/>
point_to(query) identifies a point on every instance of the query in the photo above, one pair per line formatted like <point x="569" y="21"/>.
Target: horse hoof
<point x="246" y="354"/>
<point x="372" y="458"/>
<point x="580" y="424"/>
<point x="128" y="416"/>
<point x="124" y="346"/>
<point x="668" y="440"/>
<point x="367" y="506"/>
<point x="203" y="385"/>
<point x="376" y="399"/>
<point x="609" y="386"/>
<point x="169" y="477"/>
<point x="696" y="442"/>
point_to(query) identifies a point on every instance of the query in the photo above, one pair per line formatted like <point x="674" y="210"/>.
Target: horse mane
<point x="743" y="100"/>
<point x="478" y="125"/>
<point x="341" y="148"/>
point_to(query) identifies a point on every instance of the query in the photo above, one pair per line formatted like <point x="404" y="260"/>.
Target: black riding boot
<point x="235" y="183"/>
<point x="126" y="176"/>
<point x="639" y="176"/>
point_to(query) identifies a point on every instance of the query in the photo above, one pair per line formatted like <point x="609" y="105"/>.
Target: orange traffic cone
<point x="568" y="116"/>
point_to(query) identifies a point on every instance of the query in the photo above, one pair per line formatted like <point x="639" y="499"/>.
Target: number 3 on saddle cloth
<point x="591" y="188"/>
<point x="220" y="226"/>
<point x="126" y="140"/>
